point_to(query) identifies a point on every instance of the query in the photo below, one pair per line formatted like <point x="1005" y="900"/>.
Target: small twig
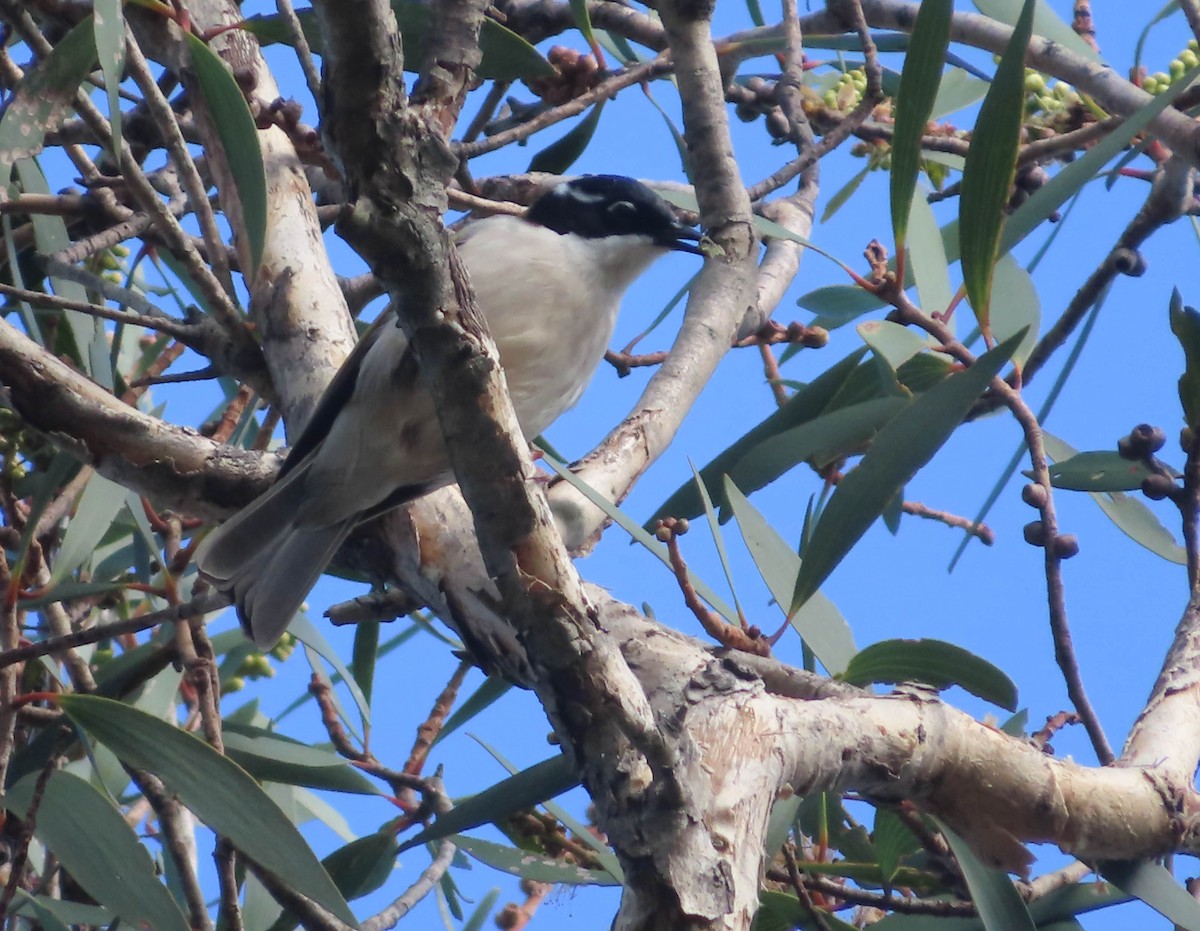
<point x="323" y="694"/>
<point x="184" y="612"/>
<point x="163" y="324"/>
<point x="602" y="91"/>
<point x="464" y="200"/>
<point x="296" y="33"/>
<point x="179" y="842"/>
<point x="1054" y="723"/>
<point x="746" y="639"/>
<point x="1054" y="545"/>
<point x="797" y="881"/>
<point x="983" y="532"/>
<point x="427" y="732"/>
<point x="493" y="100"/>
<point x="430" y="876"/>
<point x="312" y="916"/>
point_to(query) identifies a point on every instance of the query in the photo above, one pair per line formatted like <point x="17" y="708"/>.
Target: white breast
<point x="551" y="312"/>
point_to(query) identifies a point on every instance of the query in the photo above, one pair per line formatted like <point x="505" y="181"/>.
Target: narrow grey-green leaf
<point x="893" y="842"/>
<point x="110" y="50"/>
<point x="819" y="623"/>
<point x="270" y="757"/>
<point x="923" y="64"/>
<point x="1067" y="182"/>
<point x="842" y="432"/>
<point x="1101" y="470"/>
<point x="927" y="258"/>
<point x="1130" y="515"/>
<point x="364" y="656"/>
<point x="894" y="343"/>
<point x="991" y="163"/>
<point x="479" y="917"/>
<point x="239" y="138"/>
<point x="583" y="20"/>
<point x="1154" y="885"/>
<point x="532" y="866"/>
<point x="935" y="663"/>
<point x="525" y="789"/>
<point x="310" y="635"/>
<point x="99" y="849"/>
<point x="1185" y="324"/>
<point x="783" y="815"/>
<point x="843" y="194"/>
<point x="217" y="790"/>
<point x="641" y="535"/>
<point x="561" y="154"/>
<point x="805" y="405"/>
<point x="1015" y="306"/>
<point x="97" y="509"/>
<point x="957" y="91"/>
<point x="1000" y="905"/>
<point x="715" y="529"/>
<point x="902" y="447"/>
<point x="44" y="96"/>
<point x="604" y="855"/>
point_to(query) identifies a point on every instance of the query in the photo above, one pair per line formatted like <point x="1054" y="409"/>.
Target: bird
<point x="548" y="283"/>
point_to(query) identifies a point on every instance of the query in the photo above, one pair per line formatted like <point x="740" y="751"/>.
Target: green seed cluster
<point x="1185" y="61"/>
<point x="1047" y="98"/>
<point x="257" y="665"/>
<point x="848" y="91"/>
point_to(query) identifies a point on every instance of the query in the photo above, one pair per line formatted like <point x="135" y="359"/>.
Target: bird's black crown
<point x="596" y="206"/>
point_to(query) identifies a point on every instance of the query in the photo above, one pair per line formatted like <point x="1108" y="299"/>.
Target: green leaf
<point x="802" y="407"/>
<point x="506" y="56"/>
<point x="270" y="757"/>
<point x="561" y="154"/>
<point x="894" y="343"/>
<point x="640" y="534"/>
<point x="364" y="656"/>
<point x="97" y="509"/>
<point x="479" y="917"/>
<point x="1102" y="470"/>
<point x="1046" y="23"/>
<point x="51" y="236"/>
<point x="991" y="163"/>
<point x="99" y="849"/>
<point x="109" y="24"/>
<point x="819" y="622"/>
<point x="927" y="258"/>
<point x="781" y="911"/>
<point x="239" y="138"/>
<point x="902" y="447"/>
<point x="1130" y="515"/>
<point x="715" y="530"/>
<point x="843" y="194"/>
<point x="1015" y="306"/>
<point x="893" y="842"/>
<point x="523" y="790"/>
<point x="1154" y="885"/>
<point x="1067" y="182"/>
<point x="783" y="815"/>
<point x="935" y="663"/>
<point x="919" y="81"/>
<point x="304" y="630"/>
<point x="363" y="865"/>
<point x="604" y="855"/>
<point x="44" y="96"/>
<point x="530" y="865"/>
<point x="583" y="20"/>
<point x="831" y="436"/>
<point x="957" y="91"/>
<point x="1185" y="324"/>
<point x="217" y="790"/>
<point x="1000" y="905"/>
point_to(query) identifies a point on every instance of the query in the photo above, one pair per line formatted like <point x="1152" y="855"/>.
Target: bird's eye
<point x="622" y="208"/>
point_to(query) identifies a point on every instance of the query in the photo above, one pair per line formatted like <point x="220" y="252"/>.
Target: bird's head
<point x="603" y="206"/>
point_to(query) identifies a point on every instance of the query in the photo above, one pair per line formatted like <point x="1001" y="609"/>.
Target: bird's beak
<point x="685" y="240"/>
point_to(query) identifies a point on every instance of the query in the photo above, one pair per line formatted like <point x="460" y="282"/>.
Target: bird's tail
<point x="266" y="562"/>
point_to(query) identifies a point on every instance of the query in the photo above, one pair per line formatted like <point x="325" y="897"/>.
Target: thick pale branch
<point x="174" y="466"/>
